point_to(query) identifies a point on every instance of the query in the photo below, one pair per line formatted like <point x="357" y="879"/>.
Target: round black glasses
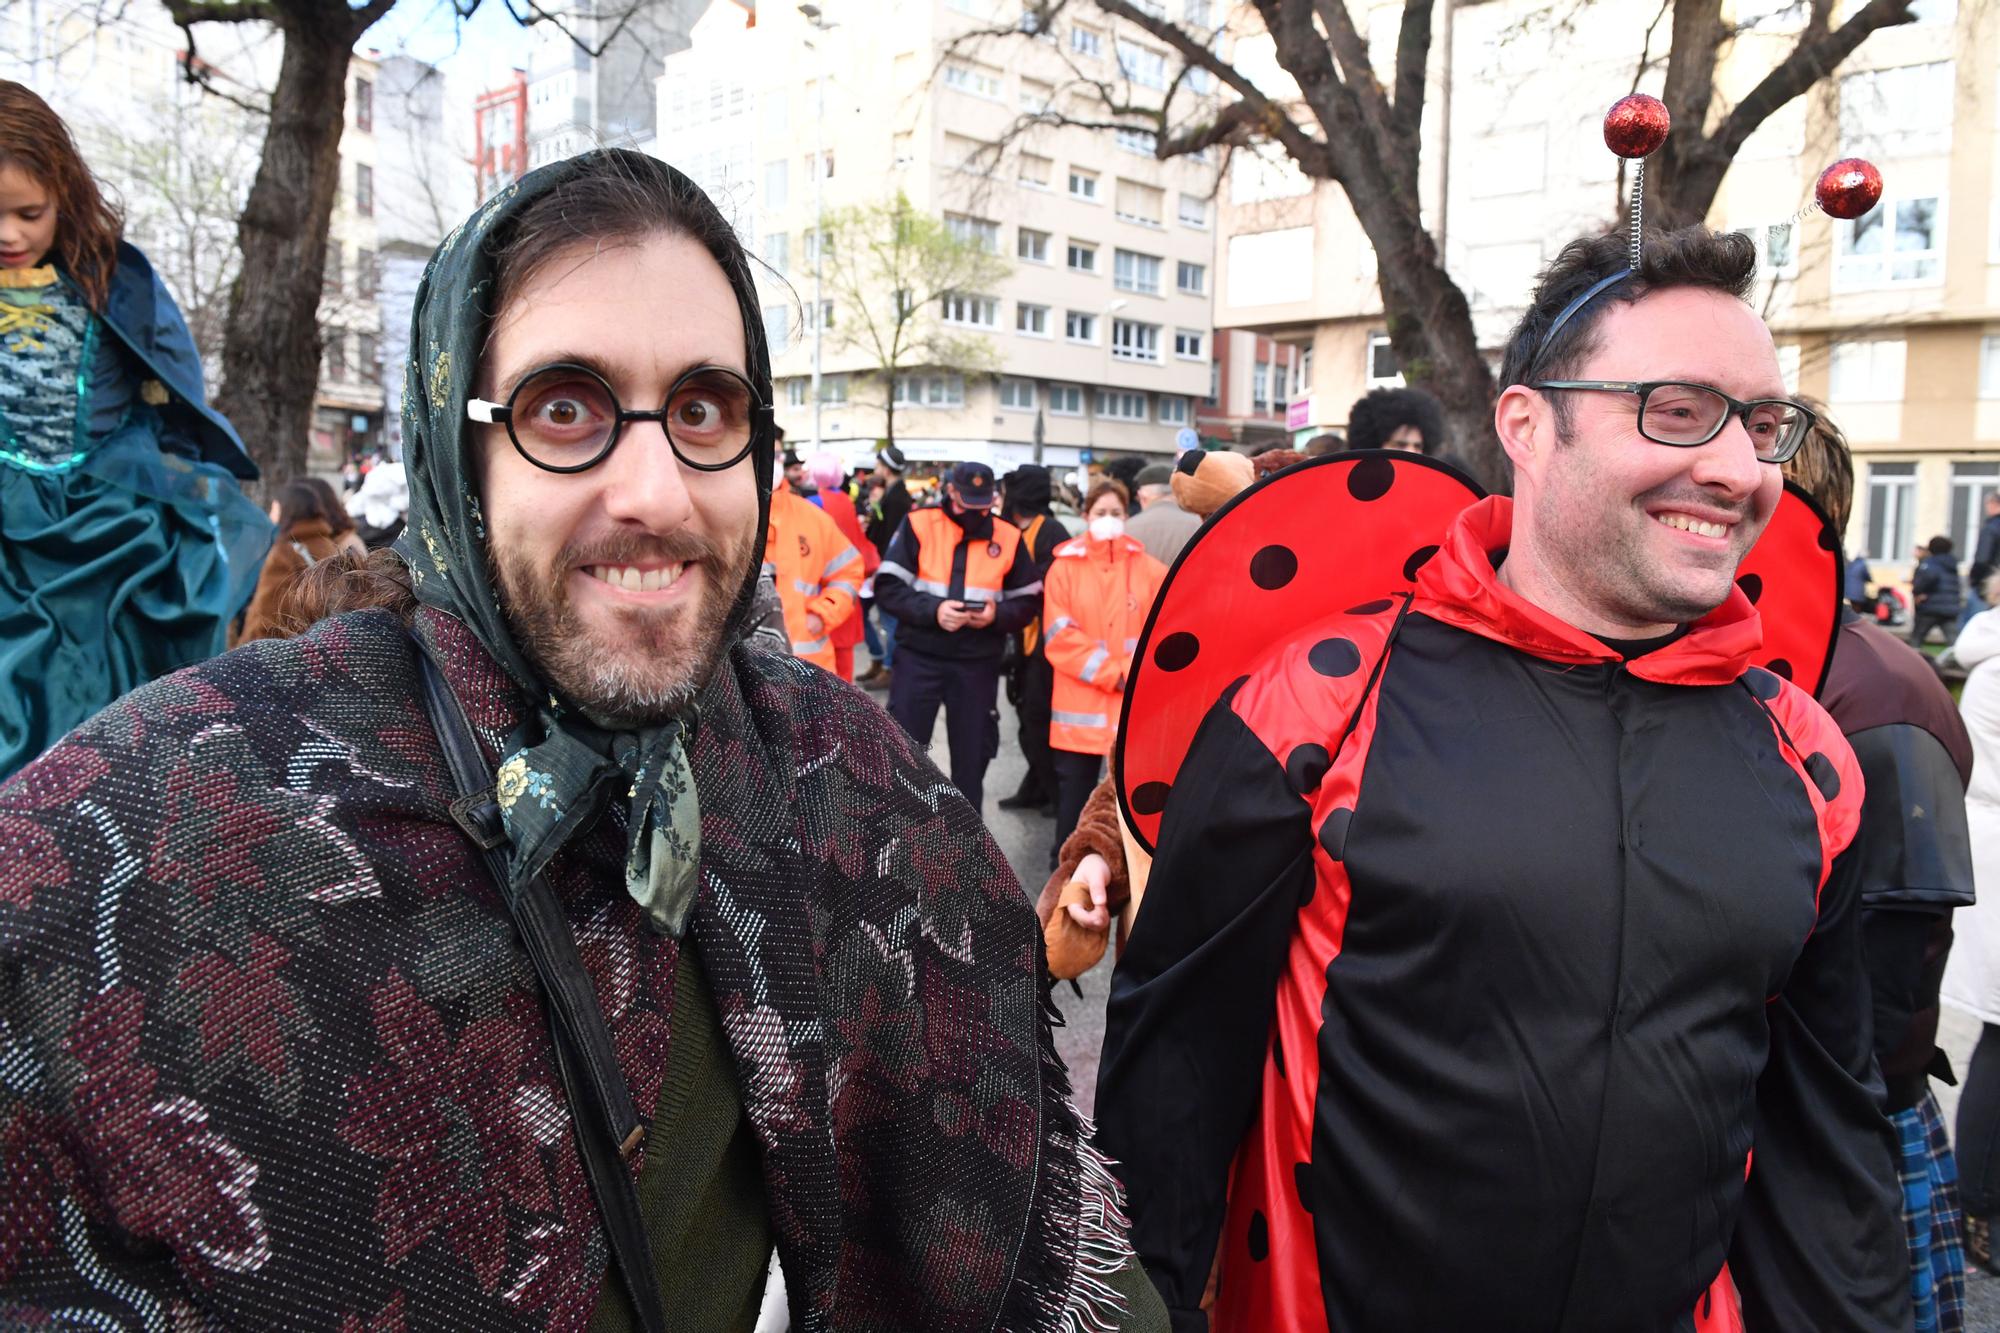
<point x="565" y="418"/>
<point x="1684" y="415"/>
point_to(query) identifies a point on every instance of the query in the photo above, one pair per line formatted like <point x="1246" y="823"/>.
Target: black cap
<point x="792" y="459"/>
<point x="974" y="483"/>
<point x="892" y="458"/>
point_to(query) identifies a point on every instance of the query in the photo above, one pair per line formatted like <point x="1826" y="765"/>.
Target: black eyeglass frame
<point x="763" y="419"/>
<point x="1738" y="410"/>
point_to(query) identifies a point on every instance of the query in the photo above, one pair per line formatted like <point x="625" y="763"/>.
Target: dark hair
<point x="332" y="510"/>
<point x="1721" y="261"/>
<point x="1823" y="467"/>
<point x="1940" y="546"/>
<point x="1382" y="412"/>
<point x="1108" y="486"/>
<point x="300" y="502"/>
<point x="34" y="138"/>
<point x="1327" y="442"/>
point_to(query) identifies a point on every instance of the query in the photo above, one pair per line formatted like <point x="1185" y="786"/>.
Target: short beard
<point x="659" y="663"/>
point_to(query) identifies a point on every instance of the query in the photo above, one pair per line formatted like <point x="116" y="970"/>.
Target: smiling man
<point x="529" y="949"/>
<point x="1496" y="969"/>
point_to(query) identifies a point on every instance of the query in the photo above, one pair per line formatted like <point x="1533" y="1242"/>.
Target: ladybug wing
<point x="1312" y="540"/>
<point x="1792" y="576"/>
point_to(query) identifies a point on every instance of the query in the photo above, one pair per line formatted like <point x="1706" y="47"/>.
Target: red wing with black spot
<point x="1793" y="577"/>
<point x="1315" y="539"/>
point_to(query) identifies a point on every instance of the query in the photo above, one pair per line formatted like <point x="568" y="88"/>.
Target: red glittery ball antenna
<point x="1849" y="188"/>
<point x="1635" y="126"/>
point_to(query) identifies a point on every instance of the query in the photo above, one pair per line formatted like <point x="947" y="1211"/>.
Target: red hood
<point x="1458" y="586"/>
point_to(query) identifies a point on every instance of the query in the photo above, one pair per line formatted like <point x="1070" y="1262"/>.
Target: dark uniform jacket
<point x="903" y="591"/>
<point x="1475" y="964"/>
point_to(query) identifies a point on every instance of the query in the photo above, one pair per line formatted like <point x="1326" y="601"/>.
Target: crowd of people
<point x="530" y="925"/>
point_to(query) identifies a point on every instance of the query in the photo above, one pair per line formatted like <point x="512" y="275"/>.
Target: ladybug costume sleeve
<point x="1819" y="1243"/>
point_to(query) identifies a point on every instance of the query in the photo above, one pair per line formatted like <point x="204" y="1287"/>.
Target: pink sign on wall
<point x="1299" y="414"/>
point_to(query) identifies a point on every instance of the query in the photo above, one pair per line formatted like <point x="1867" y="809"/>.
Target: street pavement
<point x="1026" y="838"/>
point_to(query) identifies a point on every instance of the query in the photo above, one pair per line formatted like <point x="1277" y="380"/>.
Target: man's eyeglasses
<point x="1685" y="415"/>
<point x="565" y="418"/>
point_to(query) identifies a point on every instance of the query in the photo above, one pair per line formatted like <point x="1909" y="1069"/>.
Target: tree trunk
<point x="271" y="348"/>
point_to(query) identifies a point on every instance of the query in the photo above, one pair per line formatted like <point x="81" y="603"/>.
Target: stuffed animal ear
<point x="1205" y="480"/>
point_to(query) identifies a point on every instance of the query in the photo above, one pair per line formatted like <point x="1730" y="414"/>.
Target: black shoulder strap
<point x="602" y="1114"/>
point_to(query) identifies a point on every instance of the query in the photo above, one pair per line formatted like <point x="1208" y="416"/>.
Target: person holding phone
<point x="958" y="580"/>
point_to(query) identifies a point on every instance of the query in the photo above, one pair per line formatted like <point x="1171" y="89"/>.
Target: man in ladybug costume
<point x="1498" y="967"/>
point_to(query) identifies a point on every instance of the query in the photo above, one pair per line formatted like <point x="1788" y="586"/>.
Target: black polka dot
<point x="1753" y="587"/>
<point x="1371" y="478"/>
<point x="1779" y="666"/>
<point x="1418" y="558"/>
<point x="1273" y="567"/>
<point x="1278" y="1054"/>
<point x="1820" y="769"/>
<point x="1761" y="682"/>
<point x="1374" y="608"/>
<point x="1829" y="540"/>
<point x="1176" y="652"/>
<point x="1302" y="1184"/>
<point x="1149" y="798"/>
<point x="1333" y="833"/>
<point x="1305" y="766"/>
<point x="1189" y="462"/>
<point x="1260" y="1236"/>
<point x="1335" y="657"/>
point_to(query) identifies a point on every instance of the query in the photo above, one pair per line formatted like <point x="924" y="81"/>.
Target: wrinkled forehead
<point x="1687" y="333"/>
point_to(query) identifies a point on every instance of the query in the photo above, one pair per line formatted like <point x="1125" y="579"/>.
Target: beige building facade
<point x="1893" y="320"/>
<point x="1100" y="333"/>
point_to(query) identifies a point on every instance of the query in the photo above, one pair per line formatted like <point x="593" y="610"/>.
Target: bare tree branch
<point x="1816" y="56"/>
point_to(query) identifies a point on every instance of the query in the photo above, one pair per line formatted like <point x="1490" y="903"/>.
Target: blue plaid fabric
<point x="1931" y="1219"/>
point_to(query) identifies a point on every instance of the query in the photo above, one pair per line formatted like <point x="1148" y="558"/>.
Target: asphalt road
<point x="1027" y="840"/>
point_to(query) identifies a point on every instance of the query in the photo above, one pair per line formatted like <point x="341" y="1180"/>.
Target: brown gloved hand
<point x="1073" y="948"/>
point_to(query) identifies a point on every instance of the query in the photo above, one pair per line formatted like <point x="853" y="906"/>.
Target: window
<point x="1082" y="257"/>
<point x="1134" y="272"/>
<point x="1194" y="211"/>
<point x="930" y="391"/>
<point x="982" y="312"/>
<point x="777" y="115"/>
<point x="1301" y="376"/>
<point x="1866" y="254"/>
<point x="1142" y="65"/>
<point x="1214" y="398"/>
<point x="364" y="105"/>
<point x="820" y="318"/>
<point x="1032" y="320"/>
<point x="1900" y="112"/>
<point x="1065" y="400"/>
<point x="1866" y="372"/>
<point x="1190" y="344"/>
<point x="1036" y="96"/>
<point x="795" y="390"/>
<point x="971" y="156"/>
<point x="1196" y="12"/>
<point x="367" y="354"/>
<point x="778" y="251"/>
<point x="1079" y="327"/>
<point x="1121" y="405"/>
<point x="364" y="190"/>
<point x="1892" y="510"/>
<point x="364" y="274"/>
<point x="809" y="246"/>
<point x="1086" y="41"/>
<point x="1989" y="366"/>
<point x="1173" y="410"/>
<point x="1383" y="372"/>
<point x="777" y="184"/>
<point x="1777" y="248"/>
<point x="1142" y="142"/>
<point x="1971" y="483"/>
<point x="1260" y="386"/>
<point x="1192" y="278"/>
<point x="1139" y="203"/>
<point x="833" y="388"/>
<point x="978" y="80"/>
<point x="777" y="329"/>
<point x="1017" y="395"/>
<point x="1133" y="341"/>
<point x="1032" y="245"/>
<point x="336" y="355"/>
<point x="330" y="272"/>
<point x="1036" y="171"/>
<point x="977" y="232"/>
<point x="819" y="166"/>
<point x="1083" y="185"/>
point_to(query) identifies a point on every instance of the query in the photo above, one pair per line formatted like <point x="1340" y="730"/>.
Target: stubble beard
<point x="649" y="665"/>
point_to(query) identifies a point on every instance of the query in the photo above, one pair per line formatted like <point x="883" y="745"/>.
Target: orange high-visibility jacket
<point x="817" y="570"/>
<point x="840" y="508"/>
<point x="1095" y="604"/>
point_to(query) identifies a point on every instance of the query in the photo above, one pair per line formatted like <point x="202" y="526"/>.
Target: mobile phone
<point x="973" y="608"/>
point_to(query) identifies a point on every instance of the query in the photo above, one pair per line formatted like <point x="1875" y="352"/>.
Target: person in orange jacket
<point x="826" y="474"/>
<point x="1100" y="588"/>
<point x="818" y="573"/>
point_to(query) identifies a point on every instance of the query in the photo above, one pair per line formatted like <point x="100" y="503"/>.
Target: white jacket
<point x="1972" y="973"/>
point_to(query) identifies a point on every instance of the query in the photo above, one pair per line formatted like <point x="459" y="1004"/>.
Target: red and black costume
<point x="1475" y="962"/>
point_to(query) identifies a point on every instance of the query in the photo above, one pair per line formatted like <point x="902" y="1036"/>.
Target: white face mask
<point x="1106" y="526"/>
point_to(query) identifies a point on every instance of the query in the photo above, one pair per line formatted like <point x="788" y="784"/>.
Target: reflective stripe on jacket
<point x="1096" y="600"/>
<point x="818" y="572"/>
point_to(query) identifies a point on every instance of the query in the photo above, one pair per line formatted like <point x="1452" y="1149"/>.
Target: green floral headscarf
<point x="567" y="766"/>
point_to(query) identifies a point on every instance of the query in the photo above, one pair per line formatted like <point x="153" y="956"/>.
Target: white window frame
<point x="918" y="390"/>
<point x="1889" y="516"/>
<point x="833" y="390"/>
<point x="1022" y="391"/>
<point x="1027" y="240"/>
<point x="1086" y="249"/>
<point x="981" y="233"/>
<point x="1172" y="409"/>
<point x="1379" y="341"/>
<point x="1065" y="400"/>
<point x="1181" y="269"/>
<point x="1972" y="480"/>
<point x="1144" y="143"/>
<point x="1867" y="370"/>
<point x="1087" y="42"/>
<point x="777" y="251"/>
<point x="795" y="391"/>
<point x="1190" y="344"/>
<point x="973" y="80"/>
<point x="1199" y="219"/>
<point x="1071" y="318"/>
<point x="1088" y="181"/>
<point x="1031" y="319"/>
<point x="1112" y="405"/>
<point x="1142" y="65"/>
<point x="1135" y="271"/>
<point x="969" y="310"/>
<point x="1135" y="340"/>
<point x="1989" y="366"/>
<point x="1854" y="272"/>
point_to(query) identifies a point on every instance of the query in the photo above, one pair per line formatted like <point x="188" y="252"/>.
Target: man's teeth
<point x="1694" y="525"/>
<point x="635" y="580"/>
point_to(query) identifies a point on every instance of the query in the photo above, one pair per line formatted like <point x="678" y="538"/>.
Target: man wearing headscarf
<point x="311" y="1020"/>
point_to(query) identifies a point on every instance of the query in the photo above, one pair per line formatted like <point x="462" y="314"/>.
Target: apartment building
<point x="592" y="73"/>
<point x="348" y="406"/>
<point x="1100" y="332"/>
<point x="500" y="136"/>
<point x="1893" y="320"/>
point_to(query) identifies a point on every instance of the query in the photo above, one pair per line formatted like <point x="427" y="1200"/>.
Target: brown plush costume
<point x="1203" y="483"/>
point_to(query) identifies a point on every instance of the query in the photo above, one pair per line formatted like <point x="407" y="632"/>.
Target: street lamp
<point x="813" y="16"/>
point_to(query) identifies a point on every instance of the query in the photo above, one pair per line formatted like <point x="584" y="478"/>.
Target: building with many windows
<point x="500" y="136"/>
<point x="592" y="71"/>
<point x="1100" y="331"/>
<point x="1893" y="320"/>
